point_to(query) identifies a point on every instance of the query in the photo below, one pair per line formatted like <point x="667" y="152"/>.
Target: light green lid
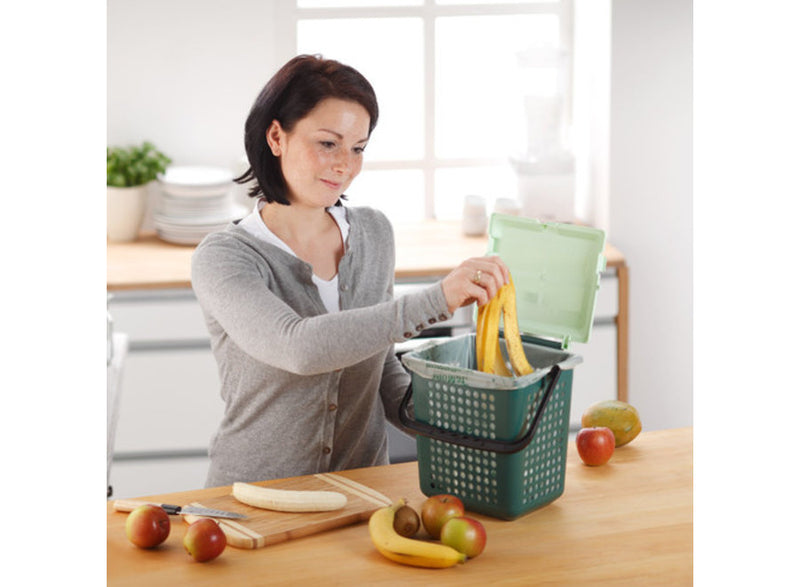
<point x="556" y="270"/>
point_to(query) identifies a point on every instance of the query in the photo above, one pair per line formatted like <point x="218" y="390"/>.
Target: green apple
<point x="466" y="535"/>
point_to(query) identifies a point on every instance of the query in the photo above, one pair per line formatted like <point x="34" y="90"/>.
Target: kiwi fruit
<point x="406" y="521"/>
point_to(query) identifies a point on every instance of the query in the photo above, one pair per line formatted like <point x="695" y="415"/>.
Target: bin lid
<point x="556" y="269"/>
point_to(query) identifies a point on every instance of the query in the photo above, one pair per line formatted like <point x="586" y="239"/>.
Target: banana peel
<point x="488" y="353"/>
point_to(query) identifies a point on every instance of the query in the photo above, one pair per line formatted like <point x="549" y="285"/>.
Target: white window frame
<point x="289" y="14"/>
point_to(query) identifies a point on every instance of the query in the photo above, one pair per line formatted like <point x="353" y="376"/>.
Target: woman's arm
<point x="233" y="291"/>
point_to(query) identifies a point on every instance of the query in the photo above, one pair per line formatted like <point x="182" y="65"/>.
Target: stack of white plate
<point x="194" y="201"/>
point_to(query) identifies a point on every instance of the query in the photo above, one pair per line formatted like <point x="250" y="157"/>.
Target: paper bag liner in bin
<point x="498" y="443"/>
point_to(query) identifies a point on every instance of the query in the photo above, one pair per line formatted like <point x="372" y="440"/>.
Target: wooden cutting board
<point x="263" y="527"/>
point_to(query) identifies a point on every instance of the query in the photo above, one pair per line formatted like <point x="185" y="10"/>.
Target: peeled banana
<point x="489" y="356"/>
<point x="408" y="551"/>
<point x="288" y="500"/>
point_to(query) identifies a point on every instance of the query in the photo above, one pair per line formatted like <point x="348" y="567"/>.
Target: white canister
<point x="508" y="206"/>
<point x="474" y="221"/>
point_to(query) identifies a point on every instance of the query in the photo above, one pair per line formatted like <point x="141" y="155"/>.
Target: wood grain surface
<point x="263" y="527"/>
<point x="626" y="523"/>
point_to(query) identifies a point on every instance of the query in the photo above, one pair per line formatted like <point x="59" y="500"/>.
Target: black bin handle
<point x="477" y="442"/>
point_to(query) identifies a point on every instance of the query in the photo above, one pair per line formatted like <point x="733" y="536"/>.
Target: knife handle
<point x="128" y="505"/>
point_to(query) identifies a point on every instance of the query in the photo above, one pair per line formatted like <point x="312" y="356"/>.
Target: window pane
<point x="358" y="3"/>
<point x="371" y="46"/>
<point x="481" y="75"/>
<point x="396" y="193"/>
<point x="453" y="184"/>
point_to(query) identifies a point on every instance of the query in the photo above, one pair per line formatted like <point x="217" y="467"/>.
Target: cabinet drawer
<point x="169" y="400"/>
<point x="143" y="477"/>
<point x="169" y="315"/>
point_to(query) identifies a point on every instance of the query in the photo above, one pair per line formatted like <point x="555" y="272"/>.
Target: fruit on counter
<point x="437" y="509"/>
<point x="204" y="540"/>
<point x="408" y="551"/>
<point x="595" y="445"/>
<point x="406" y="521"/>
<point x="621" y="417"/>
<point x="465" y="535"/>
<point x="147" y="526"/>
<point x="489" y="356"/>
<point x="288" y="500"/>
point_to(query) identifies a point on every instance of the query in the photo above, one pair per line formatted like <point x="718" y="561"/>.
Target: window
<point x="468" y="90"/>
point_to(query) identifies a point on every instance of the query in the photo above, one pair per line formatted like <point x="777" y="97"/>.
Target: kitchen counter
<point x="424" y="251"/>
<point x="428" y="249"/>
<point x="629" y="522"/>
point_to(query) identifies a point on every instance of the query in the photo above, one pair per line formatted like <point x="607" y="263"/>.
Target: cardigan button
<point x="442" y="317"/>
<point x="420" y="327"/>
<point x="408" y="334"/>
<point x="431" y="320"/>
<point x="326" y="450"/>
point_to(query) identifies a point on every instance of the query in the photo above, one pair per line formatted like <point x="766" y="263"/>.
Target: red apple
<point x="147" y="526"/>
<point x="595" y="445"/>
<point x="437" y="509"/>
<point x="204" y="540"/>
<point x="466" y="535"/>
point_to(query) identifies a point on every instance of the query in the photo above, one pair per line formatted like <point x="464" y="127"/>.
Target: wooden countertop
<point x="424" y="250"/>
<point x="626" y="523"/>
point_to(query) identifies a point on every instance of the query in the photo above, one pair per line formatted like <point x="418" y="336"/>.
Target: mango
<point x="622" y="418"/>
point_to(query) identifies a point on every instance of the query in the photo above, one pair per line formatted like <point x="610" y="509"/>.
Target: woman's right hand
<point x="477" y="279"/>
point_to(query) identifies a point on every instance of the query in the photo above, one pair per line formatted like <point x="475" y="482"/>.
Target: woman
<point x="297" y="296"/>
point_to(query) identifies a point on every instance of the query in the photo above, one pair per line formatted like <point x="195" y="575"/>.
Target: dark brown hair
<point x="295" y="90"/>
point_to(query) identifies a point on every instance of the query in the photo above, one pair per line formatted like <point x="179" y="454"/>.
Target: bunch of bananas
<point x="487" y="342"/>
<point x="408" y="551"/>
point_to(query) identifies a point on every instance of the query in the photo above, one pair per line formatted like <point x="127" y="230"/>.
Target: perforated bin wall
<point x="500" y="485"/>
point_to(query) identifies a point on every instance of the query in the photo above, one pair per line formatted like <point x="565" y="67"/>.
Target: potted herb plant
<point x="129" y="171"/>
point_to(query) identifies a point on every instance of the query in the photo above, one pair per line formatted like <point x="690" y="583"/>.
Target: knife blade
<point x="128" y="505"/>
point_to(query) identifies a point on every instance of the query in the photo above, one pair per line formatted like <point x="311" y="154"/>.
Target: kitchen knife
<point x="128" y="505"/>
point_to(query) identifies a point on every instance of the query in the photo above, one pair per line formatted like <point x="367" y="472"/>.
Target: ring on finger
<point x="477" y="277"/>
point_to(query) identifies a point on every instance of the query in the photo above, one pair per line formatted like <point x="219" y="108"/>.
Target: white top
<point x="328" y="290"/>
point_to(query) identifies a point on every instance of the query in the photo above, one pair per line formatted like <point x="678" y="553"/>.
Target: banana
<point x="511" y="330"/>
<point x="480" y="332"/>
<point x="408" y="551"/>
<point x="489" y="356"/>
<point x="500" y="367"/>
<point x="489" y="339"/>
<point x="288" y="500"/>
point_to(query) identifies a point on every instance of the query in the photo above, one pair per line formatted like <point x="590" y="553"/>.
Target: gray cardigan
<point x="305" y="391"/>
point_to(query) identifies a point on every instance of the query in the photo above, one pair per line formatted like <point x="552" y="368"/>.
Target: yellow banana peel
<point x="488" y="354"/>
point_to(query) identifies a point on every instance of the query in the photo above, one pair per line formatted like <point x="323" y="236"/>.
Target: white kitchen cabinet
<point x="170" y="401"/>
<point x="595" y="379"/>
<point x="153" y="476"/>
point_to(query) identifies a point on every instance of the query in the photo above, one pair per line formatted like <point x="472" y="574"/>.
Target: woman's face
<point x="322" y="154"/>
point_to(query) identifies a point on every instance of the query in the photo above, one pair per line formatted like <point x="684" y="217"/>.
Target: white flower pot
<point x="125" y="212"/>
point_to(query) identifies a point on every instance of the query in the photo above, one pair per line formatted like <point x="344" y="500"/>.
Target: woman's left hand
<point x="475" y="280"/>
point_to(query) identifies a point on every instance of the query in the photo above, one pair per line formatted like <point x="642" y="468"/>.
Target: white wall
<point x="650" y="198"/>
<point x="184" y="73"/>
